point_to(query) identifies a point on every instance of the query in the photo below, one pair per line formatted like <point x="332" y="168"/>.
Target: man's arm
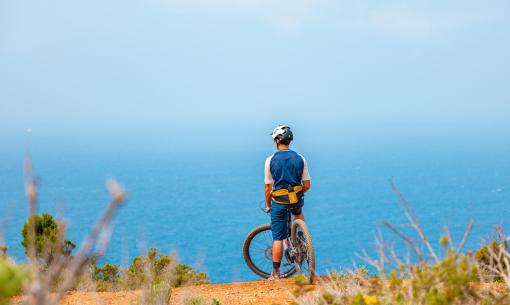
<point x="268" y="188"/>
<point x="305" y="178"/>
<point x="306" y="185"/>
<point x="268" y="183"/>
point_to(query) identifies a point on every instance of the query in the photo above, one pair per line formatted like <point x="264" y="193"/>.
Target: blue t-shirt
<point x="284" y="168"/>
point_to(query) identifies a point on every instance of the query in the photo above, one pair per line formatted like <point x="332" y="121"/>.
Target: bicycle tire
<point x="298" y="223"/>
<point x="249" y="261"/>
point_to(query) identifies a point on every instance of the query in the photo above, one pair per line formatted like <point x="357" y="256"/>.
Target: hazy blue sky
<point x="224" y="69"/>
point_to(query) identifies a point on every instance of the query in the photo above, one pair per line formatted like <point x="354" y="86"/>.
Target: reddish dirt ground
<point x="243" y="293"/>
<point x="94" y="298"/>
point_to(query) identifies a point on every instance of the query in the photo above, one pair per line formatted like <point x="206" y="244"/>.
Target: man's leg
<point x="279" y="219"/>
<point x="300" y="216"/>
<point x="277" y="251"/>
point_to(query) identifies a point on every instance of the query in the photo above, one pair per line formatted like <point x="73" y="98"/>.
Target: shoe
<point x="275" y="275"/>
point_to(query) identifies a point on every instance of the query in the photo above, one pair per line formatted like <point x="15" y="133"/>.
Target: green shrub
<point x="107" y="277"/>
<point x="358" y="300"/>
<point x="108" y="273"/>
<point x="484" y="258"/>
<point x="45" y="241"/>
<point x="454" y="280"/>
<point x="447" y="282"/>
<point x="158" y="273"/>
<point x="156" y="267"/>
<point x="12" y="278"/>
<point x="186" y="275"/>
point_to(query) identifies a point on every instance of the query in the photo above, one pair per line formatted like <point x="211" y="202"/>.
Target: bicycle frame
<point x="297" y="249"/>
<point x="290" y="251"/>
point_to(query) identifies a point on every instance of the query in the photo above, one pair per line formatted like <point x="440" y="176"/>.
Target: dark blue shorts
<point x="280" y="214"/>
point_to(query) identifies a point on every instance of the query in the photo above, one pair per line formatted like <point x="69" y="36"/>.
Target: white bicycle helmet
<point x="282" y="133"/>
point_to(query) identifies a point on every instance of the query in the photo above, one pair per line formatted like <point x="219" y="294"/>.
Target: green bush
<point x="107" y="277"/>
<point x="447" y="282"/>
<point x="12" y="278"/>
<point x="155" y="273"/>
<point x="156" y="267"/>
<point x="108" y="273"/>
<point x="454" y="280"/>
<point x="484" y="258"/>
<point x="46" y="238"/>
<point x="159" y="273"/>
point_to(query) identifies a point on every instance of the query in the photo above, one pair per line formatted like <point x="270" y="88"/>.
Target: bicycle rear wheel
<point x="302" y="240"/>
<point x="258" y="253"/>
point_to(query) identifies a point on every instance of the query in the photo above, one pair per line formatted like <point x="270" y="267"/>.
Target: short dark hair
<point x="283" y="142"/>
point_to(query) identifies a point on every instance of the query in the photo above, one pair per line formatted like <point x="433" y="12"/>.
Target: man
<point x="286" y="181"/>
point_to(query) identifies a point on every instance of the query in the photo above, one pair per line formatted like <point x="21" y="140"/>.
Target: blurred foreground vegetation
<point x="421" y="275"/>
<point x="155" y="273"/>
<point x="12" y="278"/>
<point x="455" y="280"/>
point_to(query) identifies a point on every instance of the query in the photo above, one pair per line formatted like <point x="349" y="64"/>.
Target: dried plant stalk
<point x="63" y="269"/>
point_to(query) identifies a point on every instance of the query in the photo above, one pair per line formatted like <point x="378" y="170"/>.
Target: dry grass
<point x="421" y="276"/>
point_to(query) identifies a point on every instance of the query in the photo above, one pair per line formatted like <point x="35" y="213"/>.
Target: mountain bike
<point x="298" y="252"/>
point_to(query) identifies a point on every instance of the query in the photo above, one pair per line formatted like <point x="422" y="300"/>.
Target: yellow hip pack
<point x="290" y="195"/>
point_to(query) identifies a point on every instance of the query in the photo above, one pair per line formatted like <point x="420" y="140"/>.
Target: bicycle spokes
<point x="260" y="253"/>
<point x="261" y="250"/>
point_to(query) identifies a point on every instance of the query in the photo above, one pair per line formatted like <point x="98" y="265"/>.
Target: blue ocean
<point x="202" y="204"/>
